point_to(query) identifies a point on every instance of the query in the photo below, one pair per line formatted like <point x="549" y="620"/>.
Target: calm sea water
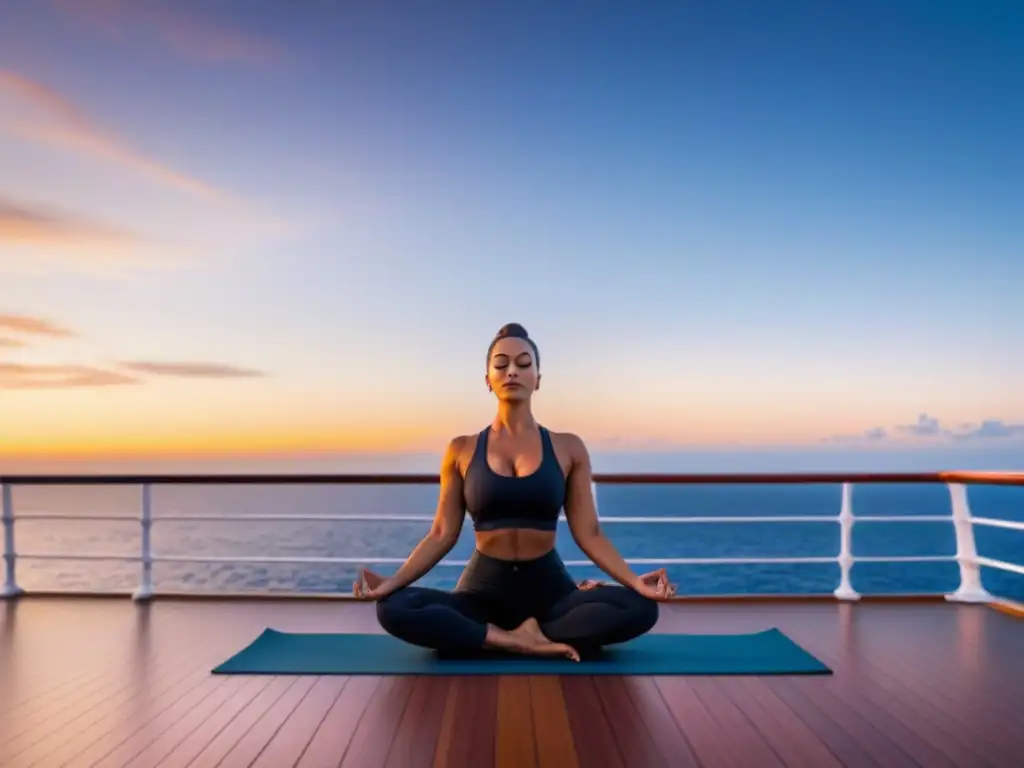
<point x="396" y="539"/>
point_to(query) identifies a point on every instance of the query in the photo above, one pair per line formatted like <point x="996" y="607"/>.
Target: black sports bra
<point x="498" y="501"/>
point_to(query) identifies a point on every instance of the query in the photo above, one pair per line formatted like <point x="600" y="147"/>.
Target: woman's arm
<point x="581" y="515"/>
<point x="445" y="530"/>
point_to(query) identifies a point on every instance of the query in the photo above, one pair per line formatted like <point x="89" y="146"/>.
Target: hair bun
<point x="512" y="330"/>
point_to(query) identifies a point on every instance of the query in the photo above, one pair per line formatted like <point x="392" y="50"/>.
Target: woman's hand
<point x="370" y="586"/>
<point x="655" y="585"/>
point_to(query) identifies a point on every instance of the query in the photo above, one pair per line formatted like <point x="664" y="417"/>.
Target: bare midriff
<point x="515" y="543"/>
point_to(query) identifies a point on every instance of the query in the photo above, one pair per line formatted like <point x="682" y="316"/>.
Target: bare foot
<point x="534" y="643"/>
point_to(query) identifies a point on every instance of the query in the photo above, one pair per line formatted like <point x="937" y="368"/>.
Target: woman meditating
<point x="515" y="594"/>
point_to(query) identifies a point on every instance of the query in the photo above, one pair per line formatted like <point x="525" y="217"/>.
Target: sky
<point x="269" y="229"/>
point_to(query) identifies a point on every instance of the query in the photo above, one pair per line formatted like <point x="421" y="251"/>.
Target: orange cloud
<point x="192" y="370"/>
<point x="46" y="117"/>
<point x="23" y="376"/>
<point x="195" y="36"/>
<point x="21" y="224"/>
<point x="20" y="376"/>
<point x="33" y="325"/>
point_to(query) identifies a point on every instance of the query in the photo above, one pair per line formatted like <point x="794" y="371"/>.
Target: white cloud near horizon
<point x="930" y="428"/>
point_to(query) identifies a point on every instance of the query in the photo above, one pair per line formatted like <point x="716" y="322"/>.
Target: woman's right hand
<point x="370" y="586"/>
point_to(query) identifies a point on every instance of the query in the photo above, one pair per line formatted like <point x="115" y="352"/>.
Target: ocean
<point x="396" y="539"/>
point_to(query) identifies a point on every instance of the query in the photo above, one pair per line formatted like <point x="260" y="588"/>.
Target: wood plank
<point x="192" y="742"/>
<point x="591" y="731"/>
<point x="291" y="739"/>
<point x="954" y="695"/>
<point x="416" y="742"/>
<point x="66" y="713"/>
<point x="654" y="712"/>
<point x="468" y="726"/>
<point x="844" y="732"/>
<point x="247" y="749"/>
<point x="889" y="689"/>
<point x="232" y="733"/>
<point x="376" y="730"/>
<point x="164" y="742"/>
<point x="789" y="736"/>
<point x="333" y="735"/>
<point x="706" y="734"/>
<point x="70" y="702"/>
<point x="89" y="721"/>
<point x="636" y="745"/>
<point x="515" y="744"/>
<point x="552" y="731"/>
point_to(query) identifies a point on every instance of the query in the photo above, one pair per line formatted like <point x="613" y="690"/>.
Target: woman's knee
<point x="390" y="610"/>
<point x="643" y="611"/>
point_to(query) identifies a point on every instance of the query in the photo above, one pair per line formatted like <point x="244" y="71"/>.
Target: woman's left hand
<point x="655" y="585"/>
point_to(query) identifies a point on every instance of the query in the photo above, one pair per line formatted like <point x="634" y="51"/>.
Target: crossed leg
<point x="455" y="622"/>
<point x="587" y="619"/>
<point x="434" y="618"/>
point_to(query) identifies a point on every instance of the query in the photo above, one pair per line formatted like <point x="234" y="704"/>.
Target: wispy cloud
<point x="192" y="370"/>
<point x="873" y="435"/>
<point x="82" y="375"/>
<point x="195" y="35"/>
<point x="20" y="376"/>
<point x="66" y="237"/>
<point x="42" y="115"/>
<point x="34" y="326"/>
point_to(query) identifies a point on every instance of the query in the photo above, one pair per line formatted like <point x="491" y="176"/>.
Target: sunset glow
<point x="294" y="229"/>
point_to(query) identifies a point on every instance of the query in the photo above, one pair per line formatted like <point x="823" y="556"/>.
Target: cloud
<point x="46" y="117"/>
<point x="873" y="435"/>
<point x="988" y="429"/>
<point x="64" y="376"/>
<point x="35" y="326"/>
<point x="19" y="376"/>
<point x="195" y="36"/>
<point x="23" y="376"/>
<point x="925" y="426"/>
<point x="191" y="370"/>
<point x="931" y="427"/>
<point x="64" y="234"/>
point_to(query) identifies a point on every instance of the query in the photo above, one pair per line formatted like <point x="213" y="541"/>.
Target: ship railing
<point x="970" y="589"/>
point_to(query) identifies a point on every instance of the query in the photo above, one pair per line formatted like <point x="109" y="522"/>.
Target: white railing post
<point x="845" y="590"/>
<point x="970" y="589"/>
<point x="145" y="590"/>
<point x="10" y="587"/>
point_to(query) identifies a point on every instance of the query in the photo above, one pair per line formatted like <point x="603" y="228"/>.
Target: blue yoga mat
<point x="760" y="653"/>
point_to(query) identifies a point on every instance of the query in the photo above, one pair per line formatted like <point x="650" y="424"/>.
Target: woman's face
<point x="512" y="370"/>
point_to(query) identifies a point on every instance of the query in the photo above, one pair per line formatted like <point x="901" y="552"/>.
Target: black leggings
<point x="505" y="594"/>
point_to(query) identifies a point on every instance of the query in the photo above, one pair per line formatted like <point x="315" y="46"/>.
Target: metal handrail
<point x="601" y="478"/>
<point x="969" y="590"/>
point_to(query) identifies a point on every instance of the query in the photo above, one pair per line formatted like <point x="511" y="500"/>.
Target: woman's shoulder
<point x="568" y="442"/>
<point x="459" y="451"/>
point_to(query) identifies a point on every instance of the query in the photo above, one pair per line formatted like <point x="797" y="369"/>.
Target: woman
<point x="515" y="594"/>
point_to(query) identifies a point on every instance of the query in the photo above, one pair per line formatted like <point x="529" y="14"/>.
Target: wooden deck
<point x="101" y="682"/>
